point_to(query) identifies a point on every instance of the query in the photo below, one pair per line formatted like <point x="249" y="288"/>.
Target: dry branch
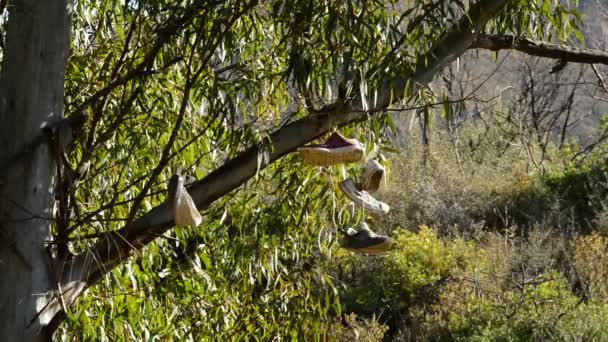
<point x="541" y="49"/>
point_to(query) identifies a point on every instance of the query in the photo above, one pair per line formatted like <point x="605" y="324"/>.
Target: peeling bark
<point x="31" y="94"/>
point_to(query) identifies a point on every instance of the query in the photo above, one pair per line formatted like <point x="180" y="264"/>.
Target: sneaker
<point x="374" y="172"/>
<point x="366" y="241"/>
<point x="362" y="197"/>
<point x="185" y="212"/>
<point x="336" y="150"/>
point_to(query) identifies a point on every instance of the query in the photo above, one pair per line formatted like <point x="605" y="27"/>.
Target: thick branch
<point x="540" y="49"/>
<point x="89" y="267"/>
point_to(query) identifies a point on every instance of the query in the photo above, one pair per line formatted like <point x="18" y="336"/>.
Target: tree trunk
<point x="31" y="95"/>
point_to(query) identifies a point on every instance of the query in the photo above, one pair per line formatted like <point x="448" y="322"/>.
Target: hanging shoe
<point x="336" y="150"/>
<point x="185" y="212"/>
<point x="366" y="241"/>
<point x="362" y="197"/>
<point x="374" y="172"/>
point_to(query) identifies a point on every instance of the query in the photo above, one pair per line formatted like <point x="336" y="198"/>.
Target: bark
<point x="31" y="94"/>
<point x="539" y="49"/>
<point x="86" y="269"/>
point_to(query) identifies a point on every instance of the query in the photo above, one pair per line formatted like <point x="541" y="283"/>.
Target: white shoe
<point x="185" y="212"/>
<point x="362" y="197"/>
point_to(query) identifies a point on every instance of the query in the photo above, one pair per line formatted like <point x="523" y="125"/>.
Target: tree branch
<point x="541" y="49"/>
<point x="87" y="268"/>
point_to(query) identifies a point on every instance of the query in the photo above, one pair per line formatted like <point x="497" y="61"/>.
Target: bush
<point x="354" y="329"/>
<point x="392" y="282"/>
<point x="581" y="190"/>
<point x="591" y="265"/>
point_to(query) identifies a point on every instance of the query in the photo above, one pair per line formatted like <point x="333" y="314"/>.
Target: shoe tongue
<point x="336" y="140"/>
<point x="351" y="231"/>
<point x="364" y="226"/>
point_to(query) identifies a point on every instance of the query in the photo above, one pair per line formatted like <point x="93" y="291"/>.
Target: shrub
<point x="581" y="190"/>
<point x="591" y="264"/>
<point x="353" y="328"/>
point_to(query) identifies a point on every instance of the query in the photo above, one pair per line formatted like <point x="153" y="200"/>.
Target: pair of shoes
<point x="362" y="197"/>
<point x="185" y="212"/>
<point x="340" y="150"/>
<point x="366" y="241"/>
<point x="336" y="150"/>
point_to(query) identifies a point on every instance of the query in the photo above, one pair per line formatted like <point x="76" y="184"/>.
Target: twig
<point x="600" y="79"/>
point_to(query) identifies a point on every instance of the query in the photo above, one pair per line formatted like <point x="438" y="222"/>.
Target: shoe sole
<point x="375" y="249"/>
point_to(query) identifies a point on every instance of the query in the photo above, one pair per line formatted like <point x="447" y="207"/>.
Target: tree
<point x="94" y="122"/>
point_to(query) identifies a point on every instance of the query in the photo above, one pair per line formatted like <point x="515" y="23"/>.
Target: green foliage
<point x="544" y="20"/>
